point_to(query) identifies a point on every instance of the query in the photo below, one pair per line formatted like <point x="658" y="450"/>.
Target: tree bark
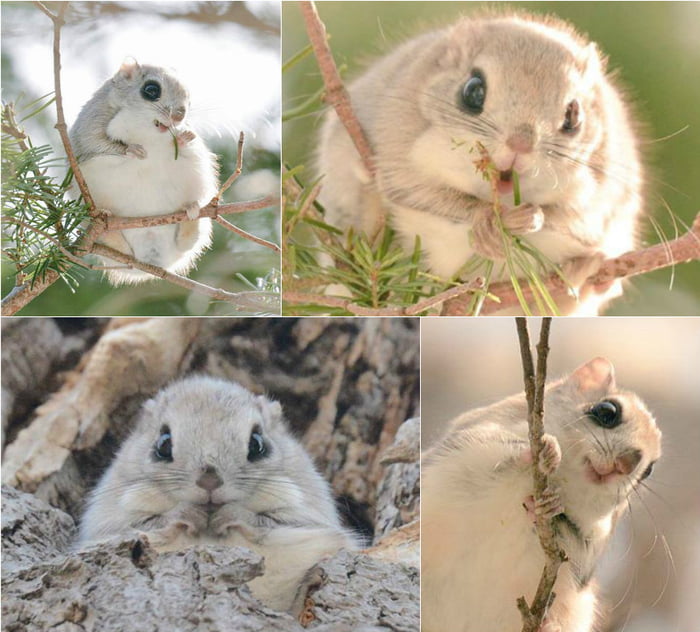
<point x="346" y="387"/>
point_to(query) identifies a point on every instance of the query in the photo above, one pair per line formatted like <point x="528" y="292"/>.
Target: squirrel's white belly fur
<point x="156" y="185"/>
<point x="483" y="554"/>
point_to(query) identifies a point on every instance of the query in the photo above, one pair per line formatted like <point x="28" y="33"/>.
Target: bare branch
<point x="58" y="22"/>
<point x="247" y="235"/>
<point x="114" y="222"/>
<point x="260" y="302"/>
<point x="533" y="615"/>
<point x="45" y="10"/>
<point x="336" y="94"/>
<point x="22" y="295"/>
<point x="236" y="172"/>
<point x="349" y="305"/>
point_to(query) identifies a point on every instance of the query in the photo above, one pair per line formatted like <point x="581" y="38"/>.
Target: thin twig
<point x="533" y="615"/>
<point x="58" y="22"/>
<point x="259" y="302"/>
<point x="336" y="94"/>
<point x="247" y="235"/>
<point x="237" y="171"/>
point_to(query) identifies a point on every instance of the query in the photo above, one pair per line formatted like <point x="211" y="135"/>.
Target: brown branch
<point x="23" y="294"/>
<point x="336" y="94"/>
<point x="300" y="298"/>
<point x="58" y="21"/>
<point x="236" y="172"/>
<point x="533" y="615"/>
<point x="114" y="222"/>
<point x="457" y="301"/>
<point x="11" y="129"/>
<point x="684" y="249"/>
<point x="259" y="302"/>
<point x="247" y="235"/>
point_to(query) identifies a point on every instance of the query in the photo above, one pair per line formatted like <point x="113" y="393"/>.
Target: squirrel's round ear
<point x="272" y="411"/>
<point x="458" y="47"/>
<point x="129" y="67"/>
<point x="595" y="377"/>
<point x="591" y="62"/>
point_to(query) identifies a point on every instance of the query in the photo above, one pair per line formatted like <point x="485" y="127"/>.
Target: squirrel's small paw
<point x="550" y="455"/>
<point x="577" y="271"/>
<point x="137" y="151"/>
<point x="184" y="137"/>
<point x="167" y="537"/>
<point x="229" y="518"/>
<point x="192" y="210"/>
<point x="523" y="219"/>
<point x="314" y="578"/>
<point x="487" y="238"/>
<point x="547" y="507"/>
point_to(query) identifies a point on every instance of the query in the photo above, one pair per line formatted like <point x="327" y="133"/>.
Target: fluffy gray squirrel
<point x="479" y="548"/>
<point x="209" y="462"/>
<point x="140" y="159"/>
<point x="537" y="96"/>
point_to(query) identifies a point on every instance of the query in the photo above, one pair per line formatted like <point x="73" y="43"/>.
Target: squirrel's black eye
<point x="646" y="473"/>
<point x="163" y="449"/>
<point x="257" y="448"/>
<point x="150" y="91"/>
<point x="473" y="93"/>
<point x="606" y="414"/>
<point x="572" y="118"/>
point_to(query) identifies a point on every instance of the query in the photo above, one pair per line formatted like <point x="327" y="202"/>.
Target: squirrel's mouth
<point x="210" y="507"/>
<point x="505" y="182"/>
<point x="605" y="471"/>
<point x="160" y="126"/>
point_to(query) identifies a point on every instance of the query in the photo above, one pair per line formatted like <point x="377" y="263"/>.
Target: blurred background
<point x="227" y="54"/>
<point x="650" y="576"/>
<point x="653" y="45"/>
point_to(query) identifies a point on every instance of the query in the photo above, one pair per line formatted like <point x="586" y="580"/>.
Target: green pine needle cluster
<point x="374" y="272"/>
<point x="40" y="221"/>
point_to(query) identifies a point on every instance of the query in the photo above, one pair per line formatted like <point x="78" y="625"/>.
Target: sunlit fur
<point x="116" y="117"/>
<point x="283" y="502"/>
<point x="479" y="548"/>
<point x="589" y="184"/>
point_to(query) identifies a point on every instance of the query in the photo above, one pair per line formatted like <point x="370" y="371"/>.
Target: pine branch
<point x="684" y="249"/>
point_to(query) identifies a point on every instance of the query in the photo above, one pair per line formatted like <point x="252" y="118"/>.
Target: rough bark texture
<point x="346" y="386"/>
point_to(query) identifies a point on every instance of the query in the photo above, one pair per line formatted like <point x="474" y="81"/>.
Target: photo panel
<point x="141" y="158"/>
<point x="474" y="158"/>
<point x="620" y="453"/>
<point x="263" y="470"/>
